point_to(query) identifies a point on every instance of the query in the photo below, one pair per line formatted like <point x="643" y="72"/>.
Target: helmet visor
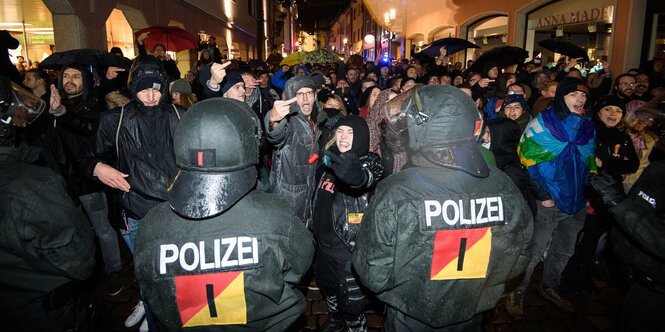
<point x="25" y="107"/>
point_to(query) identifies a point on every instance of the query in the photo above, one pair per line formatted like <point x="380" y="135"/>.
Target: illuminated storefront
<point x="587" y="24"/>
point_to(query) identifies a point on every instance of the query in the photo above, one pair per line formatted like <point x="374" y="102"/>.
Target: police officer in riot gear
<point x="220" y="254"/>
<point x="47" y="245"/>
<point x="439" y="240"/>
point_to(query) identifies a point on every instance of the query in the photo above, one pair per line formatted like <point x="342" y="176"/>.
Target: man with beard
<point x="642" y="87"/>
<point x="624" y="87"/>
<point x="295" y="138"/>
<point x="138" y="140"/>
<point x="76" y="110"/>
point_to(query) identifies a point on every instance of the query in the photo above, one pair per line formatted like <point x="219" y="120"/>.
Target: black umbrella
<point x="453" y="45"/>
<point x="86" y="57"/>
<point x="502" y="57"/>
<point x="565" y="48"/>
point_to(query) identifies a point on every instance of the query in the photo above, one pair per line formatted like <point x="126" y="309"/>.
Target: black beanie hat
<point x="231" y="79"/>
<point x="571" y="84"/>
<point x="610" y="100"/>
<point x="360" y="144"/>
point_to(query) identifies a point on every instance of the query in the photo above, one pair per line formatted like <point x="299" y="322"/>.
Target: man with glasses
<point x="624" y="87"/>
<point x="292" y="132"/>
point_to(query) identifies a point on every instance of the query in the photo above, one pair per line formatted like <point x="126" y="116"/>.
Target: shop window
<point x="587" y="24"/>
<point x="119" y="33"/>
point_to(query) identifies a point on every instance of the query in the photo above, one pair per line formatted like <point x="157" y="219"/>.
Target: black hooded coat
<point x="296" y="142"/>
<point x="138" y="140"/>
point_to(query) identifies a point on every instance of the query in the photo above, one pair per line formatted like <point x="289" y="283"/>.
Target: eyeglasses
<point x="624" y="84"/>
<point x="301" y="95"/>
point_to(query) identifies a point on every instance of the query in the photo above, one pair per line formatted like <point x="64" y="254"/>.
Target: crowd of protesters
<point x="109" y="134"/>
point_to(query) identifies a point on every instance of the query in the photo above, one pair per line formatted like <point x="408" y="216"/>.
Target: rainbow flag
<point x="560" y="156"/>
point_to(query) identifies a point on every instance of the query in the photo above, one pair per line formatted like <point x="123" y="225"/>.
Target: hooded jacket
<point x="296" y="141"/>
<point x="138" y="140"/>
<point x="70" y="133"/>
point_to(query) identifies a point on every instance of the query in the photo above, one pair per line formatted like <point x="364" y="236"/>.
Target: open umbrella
<point x="175" y="39"/>
<point x="86" y="57"/>
<point x="452" y="44"/>
<point x="319" y="56"/>
<point x="565" y="48"/>
<point x="292" y="58"/>
<point x="503" y="57"/>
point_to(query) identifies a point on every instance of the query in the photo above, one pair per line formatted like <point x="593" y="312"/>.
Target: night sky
<point x="319" y="13"/>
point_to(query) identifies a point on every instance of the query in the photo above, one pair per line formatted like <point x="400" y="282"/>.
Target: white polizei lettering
<point x="167" y="259"/>
<point x="444" y="209"/>
<point x="231" y="242"/>
<point x="242" y="250"/>
<point x="217" y="253"/>
<point x="461" y="212"/>
<point x="202" y="255"/>
<point x="429" y="213"/>
<point x="500" y="208"/>
<point x="480" y="218"/>
<point x="183" y="252"/>
<point x="477" y="213"/>
<point x="492" y="208"/>
<point x="255" y="250"/>
<point x="247" y="253"/>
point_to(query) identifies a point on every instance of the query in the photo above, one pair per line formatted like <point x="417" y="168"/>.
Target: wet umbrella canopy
<point x="86" y="57"/>
<point x="565" y="48"/>
<point x="503" y="57"/>
<point x="453" y="45"/>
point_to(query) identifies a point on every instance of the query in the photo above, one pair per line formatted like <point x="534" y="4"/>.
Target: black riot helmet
<point x="216" y="146"/>
<point x="442" y="123"/>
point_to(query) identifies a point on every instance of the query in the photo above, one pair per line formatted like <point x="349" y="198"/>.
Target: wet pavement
<point x="595" y="311"/>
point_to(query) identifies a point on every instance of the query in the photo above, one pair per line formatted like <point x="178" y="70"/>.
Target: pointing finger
<point x="226" y="64"/>
<point x="290" y="101"/>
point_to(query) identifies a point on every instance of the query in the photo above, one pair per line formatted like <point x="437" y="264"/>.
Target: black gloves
<point x="608" y="188"/>
<point x="347" y="168"/>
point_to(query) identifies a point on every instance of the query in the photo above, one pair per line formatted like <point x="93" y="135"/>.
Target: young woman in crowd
<point x="346" y="180"/>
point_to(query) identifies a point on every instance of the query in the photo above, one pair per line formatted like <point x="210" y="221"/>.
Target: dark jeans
<point x="96" y="207"/>
<point x="562" y="228"/>
<point x="397" y="321"/>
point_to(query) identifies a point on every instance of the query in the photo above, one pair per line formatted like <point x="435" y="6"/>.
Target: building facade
<point x="622" y="32"/>
<point x="245" y="29"/>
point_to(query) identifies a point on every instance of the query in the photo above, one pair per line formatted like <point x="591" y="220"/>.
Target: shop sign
<point x="40" y="39"/>
<point x="574" y="17"/>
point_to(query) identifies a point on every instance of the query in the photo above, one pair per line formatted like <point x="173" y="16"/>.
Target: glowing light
<point x="369" y="39"/>
<point x="386" y="18"/>
<point x="227" y="9"/>
<point x="392" y="14"/>
<point x="345" y="41"/>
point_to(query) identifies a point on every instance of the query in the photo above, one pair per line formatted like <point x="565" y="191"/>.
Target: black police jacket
<point x="46" y="240"/>
<point x="233" y="272"/>
<point x="144" y="151"/>
<point x="439" y="245"/>
<point x="637" y="241"/>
